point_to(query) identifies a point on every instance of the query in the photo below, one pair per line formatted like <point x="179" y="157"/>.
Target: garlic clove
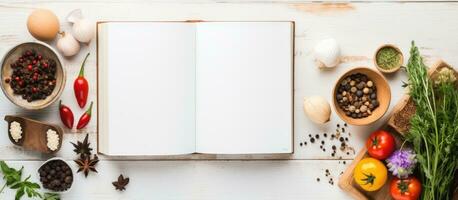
<point x="74" y="15"/>
<point x="84" y="30"/>
<point x="68" y="45"/>
<point x="317" y="109"/>
<point x="327" y="53"/>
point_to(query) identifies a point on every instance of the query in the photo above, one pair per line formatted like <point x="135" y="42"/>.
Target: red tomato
<point x="380" y="144"/>
<point x="405" y="189"/>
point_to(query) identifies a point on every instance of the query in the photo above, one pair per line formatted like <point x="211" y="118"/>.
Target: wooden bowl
<point x="6" y="71"/>
<point x="388" y="71"/>
<point x="34" y="135"/>
<point x="383" y="96"/>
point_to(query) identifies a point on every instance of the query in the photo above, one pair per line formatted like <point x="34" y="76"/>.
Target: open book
<point x="167" y="88"/>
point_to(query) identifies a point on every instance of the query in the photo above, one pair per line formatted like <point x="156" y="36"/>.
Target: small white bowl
<point x="51" y="191"/>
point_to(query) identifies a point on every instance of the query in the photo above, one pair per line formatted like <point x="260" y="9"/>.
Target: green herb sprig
<point x="434" y="129"/>
<point x="13" y="180"/>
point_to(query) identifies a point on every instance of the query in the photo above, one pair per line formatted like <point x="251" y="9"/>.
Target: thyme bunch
<point x="434" y="129"/>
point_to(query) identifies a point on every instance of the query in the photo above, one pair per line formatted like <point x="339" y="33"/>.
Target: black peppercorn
<point x="56" y="175"/>
<point x="30" y="74"/>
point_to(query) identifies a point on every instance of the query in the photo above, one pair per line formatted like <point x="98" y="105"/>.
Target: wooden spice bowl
<point x="394" y="69"/>
<point x="6" y="71"/>
<point x="34" y="135"/>
<point x="383" y="96"/>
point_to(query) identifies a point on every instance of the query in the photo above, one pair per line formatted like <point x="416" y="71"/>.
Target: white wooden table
<point x="360" y="28"/>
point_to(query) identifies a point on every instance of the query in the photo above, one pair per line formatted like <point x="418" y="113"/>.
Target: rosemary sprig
<point x="434" y="129"/>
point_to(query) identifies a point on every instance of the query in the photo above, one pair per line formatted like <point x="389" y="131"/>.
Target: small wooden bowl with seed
<point x="381" y="91"/>
<point x="34" y="134"/>
<point x="392" y="54"/>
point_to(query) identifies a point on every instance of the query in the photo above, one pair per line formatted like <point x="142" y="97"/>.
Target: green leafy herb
<point x="23" y="187"/>
<point x="434" y="130"/>
<point x="51" y="196"/>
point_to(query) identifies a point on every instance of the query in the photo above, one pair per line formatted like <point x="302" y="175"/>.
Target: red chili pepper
<point x="81" y="86"/>
<point x="85" y="118"/>
<point x="66" y="115"/>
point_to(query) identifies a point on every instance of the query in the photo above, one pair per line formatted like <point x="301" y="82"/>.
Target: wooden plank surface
<point x="204" y="180"/>
<point x="359" y="27"/>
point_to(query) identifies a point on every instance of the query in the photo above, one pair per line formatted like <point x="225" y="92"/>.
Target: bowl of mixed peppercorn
<point x="32" y="75"/>
<point x="361" y="96"/>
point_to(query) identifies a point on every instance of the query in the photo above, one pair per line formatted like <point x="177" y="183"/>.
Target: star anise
<point x="121" y="183"/>
<point x="82" y="148"/>
<point x="87" y="164"/>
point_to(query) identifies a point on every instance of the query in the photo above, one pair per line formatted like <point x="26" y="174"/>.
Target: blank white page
<point x="244" y="87"/>
<point x="151" y="88"/>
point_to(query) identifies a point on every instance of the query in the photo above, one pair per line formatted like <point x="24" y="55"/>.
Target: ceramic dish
<point x="383" y="96"/>
<point x="6" y="71"/>
<point x="52" y="191"/>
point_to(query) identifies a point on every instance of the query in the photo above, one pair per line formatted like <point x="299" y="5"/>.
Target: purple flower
<point x="402" y="163"/>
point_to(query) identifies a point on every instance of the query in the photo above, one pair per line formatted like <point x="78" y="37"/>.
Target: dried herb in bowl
<point x="388" y="58"/>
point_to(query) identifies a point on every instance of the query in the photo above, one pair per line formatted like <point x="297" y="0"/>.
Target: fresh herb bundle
<point x="13" y="180"/>
<point x="434" y="129"/>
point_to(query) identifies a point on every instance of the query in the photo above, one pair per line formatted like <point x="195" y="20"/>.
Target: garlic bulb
<point x="74" y="15"/>
<point x="317" y="109"/>
<point x="83" y="29"/>
<point x="68" y="45"/>
<point x="327" y="53"/>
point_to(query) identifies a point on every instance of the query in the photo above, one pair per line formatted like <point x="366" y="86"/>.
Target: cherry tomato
<point x="405" y="189"/>
<point x="380" y="144"/>
<point x="370" y="174"/>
